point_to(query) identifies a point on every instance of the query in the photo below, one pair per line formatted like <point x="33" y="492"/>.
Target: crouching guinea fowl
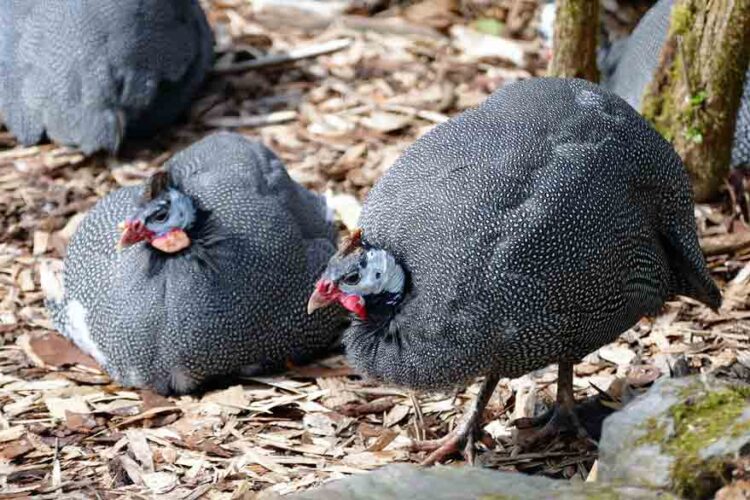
<point x="88" y="72"/>
<point x="217" y="258"/>
<point x="529" y="231"/>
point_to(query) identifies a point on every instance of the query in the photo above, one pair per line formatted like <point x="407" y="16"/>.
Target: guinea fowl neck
<point x="381" y="308"/>
<point x="205" y="236"/>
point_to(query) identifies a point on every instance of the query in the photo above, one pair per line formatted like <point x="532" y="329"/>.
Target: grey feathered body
<point x="235" y="302"/>
<point x="639" y="61"/>
<point x="535" y="228"/>
<point x="84" y="72"/>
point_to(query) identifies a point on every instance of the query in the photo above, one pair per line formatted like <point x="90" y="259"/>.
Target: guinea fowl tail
<point x="690" y="277"/>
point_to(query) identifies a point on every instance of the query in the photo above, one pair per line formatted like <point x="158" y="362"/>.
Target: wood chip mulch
<point x="338" y="100"/>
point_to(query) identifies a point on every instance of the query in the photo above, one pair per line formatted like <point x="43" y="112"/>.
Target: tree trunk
<point x="695" y="94"/>
<point x="574" y="41"/>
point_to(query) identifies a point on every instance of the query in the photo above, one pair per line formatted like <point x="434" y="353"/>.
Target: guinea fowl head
<point x="365" y="280"/>
<point x="162" y="218"/>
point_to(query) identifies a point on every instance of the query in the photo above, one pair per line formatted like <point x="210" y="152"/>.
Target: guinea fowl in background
<point x="218" y="256"/>
<point x="529" y="231"/>
<point x="638" y="61"/>
<point x="88" y="72"/>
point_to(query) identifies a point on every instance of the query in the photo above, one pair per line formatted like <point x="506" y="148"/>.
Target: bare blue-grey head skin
<point x="638" y="60"/>
<point x="87" y="73"/>
<point x="203" y="272"/>
<point x="164" y="212"/>
<point x="533" y="229"/>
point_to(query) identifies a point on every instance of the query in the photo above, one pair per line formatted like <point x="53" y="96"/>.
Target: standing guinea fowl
<point x="639" y="60"/>
<point x="88" y="72"/>
<point x="217" y="258"/>
<point x="529" y="231"/>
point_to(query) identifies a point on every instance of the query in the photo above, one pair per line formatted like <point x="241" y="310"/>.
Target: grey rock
<point x="457" y="483"/>
<point x="673" y="436"/>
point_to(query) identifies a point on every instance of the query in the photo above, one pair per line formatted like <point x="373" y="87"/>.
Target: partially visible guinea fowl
<point x="639" y="61"/>
<point x="88" y="72"/>
<point x="529" y="231"/>
<point x="220" y="252"/>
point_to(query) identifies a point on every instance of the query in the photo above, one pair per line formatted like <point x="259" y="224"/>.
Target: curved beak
<point x="132" y="233"/>
<point x="317" y="301"/>
<point x="321" y="297"/>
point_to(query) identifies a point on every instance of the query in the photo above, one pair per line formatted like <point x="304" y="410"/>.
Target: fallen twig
<point x="430" y="116"/>
<point x="377" y="406"/>
<point x="293" y="55"/>
<point x="251" y="121"/>
<point x="726" y="243"/>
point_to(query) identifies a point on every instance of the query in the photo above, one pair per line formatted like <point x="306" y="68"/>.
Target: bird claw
<point x="460" y="439"/>
<point x="551" y="424"/>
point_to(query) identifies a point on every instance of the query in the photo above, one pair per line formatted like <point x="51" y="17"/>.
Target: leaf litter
<point x="338" y="95"/>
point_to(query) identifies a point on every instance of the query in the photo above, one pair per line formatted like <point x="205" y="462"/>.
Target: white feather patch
<point x="78" y="331"/>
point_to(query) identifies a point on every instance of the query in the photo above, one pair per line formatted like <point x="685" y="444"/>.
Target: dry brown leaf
<point x="642" y="375"/>
<point x="159" y="483"/>
<point x="617" y="354"/>
<point x="384" y="122"/>
<point x="80" y="422"/>
<point x="41" y="241"/>
<point x="438" y="14"/>
<point x="372" y="459"/>
<point x="396" y="415"/>
<point x="59" y="406"/>
<point x="331" y="126"/>
<point x="16" y="448"/>
<point x="476" y="46"/>
<point x="232" y="400"/>
<point x="385" y="438"/>
<point x="319" y="423"/>
<point x="37" y="385"/>
<point x="153" y="400"/>
<point x="54" y="350"/>
<point x="11" y="434"/>
<point x="140" y="449"/>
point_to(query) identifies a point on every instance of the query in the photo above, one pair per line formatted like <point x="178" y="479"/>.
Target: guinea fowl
<point x="218" y="256"/>
<point x="88" y="72"/>
<point x="639" y="60"/>
<point x="529" y="231"/>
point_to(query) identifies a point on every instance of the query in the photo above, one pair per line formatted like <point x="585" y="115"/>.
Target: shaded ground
<point x="344" y="118"/>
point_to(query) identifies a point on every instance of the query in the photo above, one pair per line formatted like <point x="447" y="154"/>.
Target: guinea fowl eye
<point x="351" y="278"/>
<point x="160" y="216"/>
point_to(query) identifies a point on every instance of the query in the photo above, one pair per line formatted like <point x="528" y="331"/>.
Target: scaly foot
<point x="562" y="419"/>
<point x="462" y="437"/>
<point x="553" y="423"/>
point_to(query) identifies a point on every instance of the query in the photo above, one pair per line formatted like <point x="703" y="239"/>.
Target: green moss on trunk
<point x="575" y="38"/>
<point x="693" y="99"/>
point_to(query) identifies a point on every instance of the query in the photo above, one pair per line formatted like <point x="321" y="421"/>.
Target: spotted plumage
<point x="639" y="60"/>
<point x="88" y="72"/>
<point x="232" y="301"/>
<point x="533" y="229"/>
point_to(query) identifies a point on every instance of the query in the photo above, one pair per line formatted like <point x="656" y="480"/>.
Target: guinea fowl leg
<point x="561" y="419"/>
<point x="463" y="434"/>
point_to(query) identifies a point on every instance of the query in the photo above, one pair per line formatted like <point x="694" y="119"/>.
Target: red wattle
<point x="355" y="304"/>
